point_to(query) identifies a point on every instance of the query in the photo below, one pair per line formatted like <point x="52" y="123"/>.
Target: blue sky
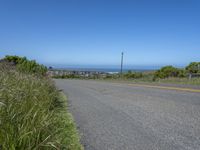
<point x="78" y="33"/>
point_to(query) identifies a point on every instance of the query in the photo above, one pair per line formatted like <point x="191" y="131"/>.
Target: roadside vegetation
<point x="33" y="113"/>
<point x="167" y="74"/>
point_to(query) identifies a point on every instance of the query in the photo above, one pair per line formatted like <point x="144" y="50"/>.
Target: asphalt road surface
<point x="113" y="116"/>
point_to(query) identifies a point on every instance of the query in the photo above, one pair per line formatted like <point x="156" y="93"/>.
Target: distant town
<point x="63" y="72"/>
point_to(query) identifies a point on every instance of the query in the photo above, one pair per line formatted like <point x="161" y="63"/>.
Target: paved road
<point x="113" y="116"/>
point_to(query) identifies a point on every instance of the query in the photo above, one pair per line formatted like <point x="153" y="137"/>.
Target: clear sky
<point x="94" y="32"/>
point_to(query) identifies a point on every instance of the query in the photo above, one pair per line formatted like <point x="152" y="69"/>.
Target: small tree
<point x="167" y="71"/>
<point x="193" y="67"/>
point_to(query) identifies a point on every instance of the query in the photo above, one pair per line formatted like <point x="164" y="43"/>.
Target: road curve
<point x="114" y="116"/>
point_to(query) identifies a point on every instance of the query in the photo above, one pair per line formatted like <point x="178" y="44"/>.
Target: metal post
<point x="190" y="76"/>
<point x="122" y="64"/>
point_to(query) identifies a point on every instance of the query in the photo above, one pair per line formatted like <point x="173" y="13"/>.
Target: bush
<point x="193" y="67"/>
<point x="26" y="66"/>
<point x="133" y="75"/>
<point x="169" y="71"/>
<point x="182" y="73"/>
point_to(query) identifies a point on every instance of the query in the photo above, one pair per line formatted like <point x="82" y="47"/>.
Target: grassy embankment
<point x="149" y="78"/>
<point x="33" y="114"/>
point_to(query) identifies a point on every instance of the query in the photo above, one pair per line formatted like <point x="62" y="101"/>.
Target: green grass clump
<point x="33" y="114"/>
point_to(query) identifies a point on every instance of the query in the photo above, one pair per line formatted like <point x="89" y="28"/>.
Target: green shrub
<point x="193" y="67"/>
<point x="182" y="73"/>
<point x="26" y="66"/>
<point x="133" y="75"/>
<point x="169" y="71"/>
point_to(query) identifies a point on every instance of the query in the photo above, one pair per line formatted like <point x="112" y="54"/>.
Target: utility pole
<point x="122" y="57"/>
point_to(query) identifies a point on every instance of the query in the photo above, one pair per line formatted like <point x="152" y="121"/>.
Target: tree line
<point x="170" y="71"/>
<point x="165" y="72"/>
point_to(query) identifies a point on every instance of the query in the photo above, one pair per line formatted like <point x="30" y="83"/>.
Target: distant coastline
<point x="107" y="70"/>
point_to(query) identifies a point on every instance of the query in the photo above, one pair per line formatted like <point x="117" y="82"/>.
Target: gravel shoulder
<point x="114" y="116"/>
